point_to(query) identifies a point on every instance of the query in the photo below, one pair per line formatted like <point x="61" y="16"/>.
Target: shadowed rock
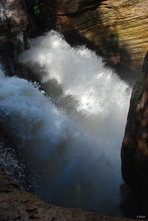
<point x="20" y="205"/>
<point x="134" y="152"/>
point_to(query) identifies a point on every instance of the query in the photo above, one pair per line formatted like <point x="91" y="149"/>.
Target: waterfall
<point x="68" y="134"/>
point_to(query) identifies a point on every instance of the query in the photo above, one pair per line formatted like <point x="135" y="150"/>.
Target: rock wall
<point x="116" y="30"/>
<point x="134" y="152"/>
<point x="14" y="24"/>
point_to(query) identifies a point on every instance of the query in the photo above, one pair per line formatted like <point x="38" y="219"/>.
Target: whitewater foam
<point x="70" y="140"/>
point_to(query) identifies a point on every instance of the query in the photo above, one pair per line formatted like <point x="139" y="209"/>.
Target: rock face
<point x="13" y="22"/>
<point x="19" y="205"/>
<point x="14" y="25"/>
<point x="134" y="152"/>
<point x="116" y="30"/>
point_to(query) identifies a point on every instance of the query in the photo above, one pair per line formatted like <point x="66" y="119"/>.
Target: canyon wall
<point x="134" y="152"/>
<point x="116" y="30"/>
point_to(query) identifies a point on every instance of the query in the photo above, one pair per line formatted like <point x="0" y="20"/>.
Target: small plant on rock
<point x="36" y="8"/>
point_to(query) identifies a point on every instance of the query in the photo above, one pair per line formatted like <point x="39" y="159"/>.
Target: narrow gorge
<point x="67" y="73"/>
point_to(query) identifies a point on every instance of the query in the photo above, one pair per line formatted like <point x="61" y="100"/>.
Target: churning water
<point x="67" y="135"/>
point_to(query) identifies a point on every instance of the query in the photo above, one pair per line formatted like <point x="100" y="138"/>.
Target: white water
<point x="70" y="141"/>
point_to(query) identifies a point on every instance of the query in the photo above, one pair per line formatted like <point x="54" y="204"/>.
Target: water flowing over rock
<point x="134" y="153"/>
<point x="116" y="30"/>
<point x="13" y="21"/>
<point x="13" y="31"/>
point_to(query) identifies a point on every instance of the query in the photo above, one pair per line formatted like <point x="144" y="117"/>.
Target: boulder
<point x="134" y="151"/>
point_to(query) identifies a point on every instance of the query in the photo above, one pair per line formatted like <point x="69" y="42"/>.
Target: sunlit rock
<point x="115" y="29"/>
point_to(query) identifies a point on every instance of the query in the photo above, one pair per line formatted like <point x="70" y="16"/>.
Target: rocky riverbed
<point x="16" y="205"/>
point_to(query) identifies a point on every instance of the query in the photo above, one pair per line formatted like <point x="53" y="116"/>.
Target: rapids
<point x="68" y="134"/>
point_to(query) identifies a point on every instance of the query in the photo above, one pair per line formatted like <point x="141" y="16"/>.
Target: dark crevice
<point x="79" y="12"/>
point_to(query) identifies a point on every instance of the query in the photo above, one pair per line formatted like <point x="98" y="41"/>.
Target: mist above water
<point x="69" y="134"/>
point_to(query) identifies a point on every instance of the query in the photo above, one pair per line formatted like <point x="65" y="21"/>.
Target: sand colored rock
<point x="116" y="30"/>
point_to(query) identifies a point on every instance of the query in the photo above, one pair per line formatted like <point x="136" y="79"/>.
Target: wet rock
<point x="13" y="22"/>
<point x="20" y="205"/>
<point x="14" y="25"/>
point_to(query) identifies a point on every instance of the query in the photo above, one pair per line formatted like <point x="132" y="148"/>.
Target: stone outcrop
<point x="116" y="30"/>
<point x="20" y="205"/>
<point x="14" y="23"/>
<point x="134" y="152"/>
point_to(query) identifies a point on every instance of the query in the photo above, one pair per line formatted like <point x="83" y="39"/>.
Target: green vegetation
<point x="114" y="40"/>
<point x="36" y="8"/>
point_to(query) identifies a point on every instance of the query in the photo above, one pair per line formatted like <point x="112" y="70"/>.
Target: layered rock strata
<point x="116" y="30"/>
